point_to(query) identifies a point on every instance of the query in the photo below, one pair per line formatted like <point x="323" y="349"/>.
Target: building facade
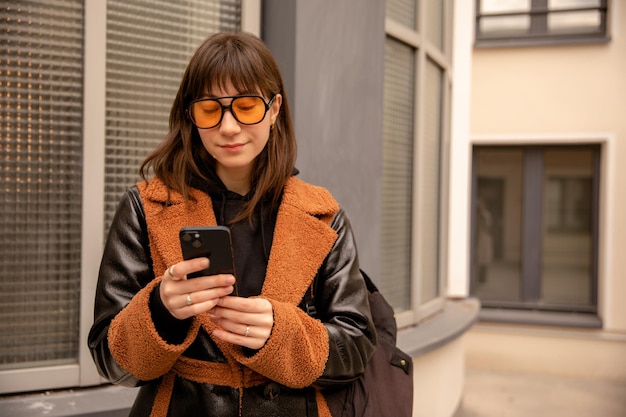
<point x="547" y="134"/>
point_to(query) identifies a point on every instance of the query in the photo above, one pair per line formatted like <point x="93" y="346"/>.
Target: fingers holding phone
<point x="184" y="297"/>
<point x="208" y="259"/>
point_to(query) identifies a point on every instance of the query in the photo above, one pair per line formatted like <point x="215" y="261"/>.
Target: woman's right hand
<point x="184" y="297"/>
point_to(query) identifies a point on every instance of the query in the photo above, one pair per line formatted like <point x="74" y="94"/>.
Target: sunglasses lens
<point x="206" y="114"/>
<point x="248" y="110"/>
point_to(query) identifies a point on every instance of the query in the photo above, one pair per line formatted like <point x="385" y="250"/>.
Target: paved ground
<point x="497" y="394"/>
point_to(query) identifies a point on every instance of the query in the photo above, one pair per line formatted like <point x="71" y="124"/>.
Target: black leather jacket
<point x="341" y="303"/>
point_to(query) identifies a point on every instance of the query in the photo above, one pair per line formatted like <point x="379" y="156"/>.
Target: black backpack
<point x="386" y="388"/>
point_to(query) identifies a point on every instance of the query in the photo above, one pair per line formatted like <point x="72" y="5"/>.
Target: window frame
<point x="533" y="177"/>
<point x="538" y="33"/>
<point x="83" y="373"/>
<point x="426" y="50"/>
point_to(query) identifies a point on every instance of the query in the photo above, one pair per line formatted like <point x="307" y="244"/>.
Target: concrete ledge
<point x="102" y="401"/>
<point x="455" y="319"/>
<point x="548" y="318"/>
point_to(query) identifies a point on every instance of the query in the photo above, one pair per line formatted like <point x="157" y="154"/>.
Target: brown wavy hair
<point x="243" y="60"/>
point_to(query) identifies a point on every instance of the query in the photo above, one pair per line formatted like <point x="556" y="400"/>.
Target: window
<point x="540" y="21"/>
<point x="41" y="84"/>
<point x="60" y="129"/>
<point x="398" y="173"/>
<point x="535" y="227"/>
<point x="415" y="117"/>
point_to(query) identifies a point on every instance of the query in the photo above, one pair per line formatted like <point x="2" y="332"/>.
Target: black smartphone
<point x="211" y="242"/>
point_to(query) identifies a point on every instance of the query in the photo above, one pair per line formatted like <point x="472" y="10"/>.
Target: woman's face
<point x="234" y="145"/>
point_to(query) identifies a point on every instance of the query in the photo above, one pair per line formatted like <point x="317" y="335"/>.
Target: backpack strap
<point x="371" y="287"/>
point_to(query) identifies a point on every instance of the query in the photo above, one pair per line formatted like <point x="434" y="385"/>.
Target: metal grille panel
<point x="148" y="46"/>
<point x="41" y="84"/>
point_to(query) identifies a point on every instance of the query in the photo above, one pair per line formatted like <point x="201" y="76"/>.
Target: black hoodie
<point x="251" y="241"/>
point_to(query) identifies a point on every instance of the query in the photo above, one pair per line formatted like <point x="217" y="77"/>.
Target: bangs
<point x="231" y="63"/>
<point x="221" y="79"/>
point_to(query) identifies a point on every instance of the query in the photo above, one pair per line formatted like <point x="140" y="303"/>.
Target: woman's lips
<point x="234" y="147"/>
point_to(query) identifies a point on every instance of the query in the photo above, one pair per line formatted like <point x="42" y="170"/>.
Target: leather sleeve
<point x="341" y="300"/>
<point x="125" y="269"/>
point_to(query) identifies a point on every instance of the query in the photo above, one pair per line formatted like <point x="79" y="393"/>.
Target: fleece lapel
<point x="165" y="221"/>
<point x="302" y="236"/>
<point x="302" y="240"/>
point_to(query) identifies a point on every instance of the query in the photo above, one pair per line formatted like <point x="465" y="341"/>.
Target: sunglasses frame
<point x="228" y="107"/>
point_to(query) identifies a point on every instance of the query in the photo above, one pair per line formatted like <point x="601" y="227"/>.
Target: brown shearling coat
<point x="312" y="239"/>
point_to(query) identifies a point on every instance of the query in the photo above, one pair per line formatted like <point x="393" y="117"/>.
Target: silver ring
<point x="170" y="271"/>
<point x="189" y="302"/>
<point x="247" y="333"/>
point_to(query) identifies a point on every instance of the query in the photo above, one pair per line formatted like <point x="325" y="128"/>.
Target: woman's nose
<point x="229" y="124"/>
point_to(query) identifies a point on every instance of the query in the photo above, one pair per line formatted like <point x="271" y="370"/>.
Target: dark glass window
<point x="535" y="227"/>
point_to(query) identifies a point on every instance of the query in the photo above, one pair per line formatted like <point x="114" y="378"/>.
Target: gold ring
<point x="247" y="333"/>
<point x="189" y="302"/>
<point x="170" y="271"/>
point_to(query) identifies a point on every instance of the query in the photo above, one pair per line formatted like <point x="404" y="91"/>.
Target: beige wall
<point x="546" y="351"/>
<point x="438" y="378"/>
<point x="556" y="94"/>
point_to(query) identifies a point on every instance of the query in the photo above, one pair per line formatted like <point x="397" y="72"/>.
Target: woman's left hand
<point x="243" y="321"/>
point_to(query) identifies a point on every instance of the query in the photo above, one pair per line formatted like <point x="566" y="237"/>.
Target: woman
<point x="192" y="347"/>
